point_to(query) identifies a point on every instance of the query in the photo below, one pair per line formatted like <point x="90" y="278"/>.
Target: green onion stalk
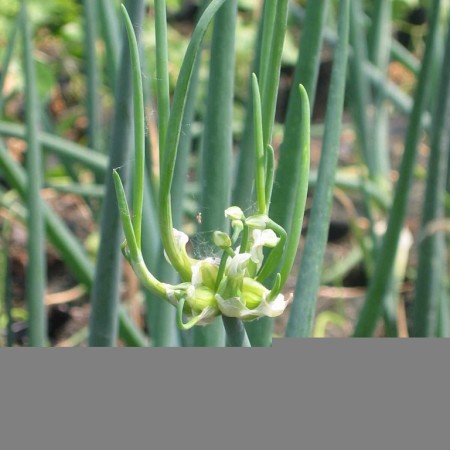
<point x="253" y="251"/>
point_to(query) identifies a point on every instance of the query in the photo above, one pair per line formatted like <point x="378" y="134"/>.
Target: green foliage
<point x="196" y="168"/>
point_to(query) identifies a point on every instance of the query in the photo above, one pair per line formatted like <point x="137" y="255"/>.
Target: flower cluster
<point x="229" y="285"/>
<point x="255" y="255"/>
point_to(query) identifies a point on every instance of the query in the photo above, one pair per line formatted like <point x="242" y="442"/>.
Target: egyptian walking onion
<point x="234" y="284"/>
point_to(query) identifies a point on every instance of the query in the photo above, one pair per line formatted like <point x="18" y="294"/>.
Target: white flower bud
<point x="221" y="239"/>
<point x="259" y="221"/>
<point x="234" y="213"/>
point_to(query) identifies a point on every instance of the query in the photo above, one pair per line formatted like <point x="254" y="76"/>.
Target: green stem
<point x="236" y="334"/>
<point x="359" y="86"/>
<point x="288" y="176"/>
<point x="301" y="189"/>
<point x="36" y="266"/>
<point x="111" y="36"/>
<point x="300" y="322"/>
<point x="162" y="72"/>
<point x="271" y="67"/>
<point x="268" y="20"/>
<point x="306" y="72"/>
<point x="432" y="246"/>
<point x="259" y="148"/>
<point x="380" y="43"/>
<point x="245" y="171"/>
<point x="139" y="130"/>
<point x="105" y="290"/>
<point x="269" y="174"/>
<point x="385" y="258"/>
<point x="92" y="85"/>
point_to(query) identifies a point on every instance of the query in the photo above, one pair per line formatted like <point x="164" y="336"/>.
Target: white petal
<point x="197" y="274"/>
<point x="197" y="279"/>
<point x="233" y="307"/>
<point x="234" y="213"/>
<point x="269" y="238"/>
<point x="274" y="308"/>
<point x="207" y="316"/>
<point x="237" y="264"/>
<point x="257" y="254"/>
<point x="181" y="239"/>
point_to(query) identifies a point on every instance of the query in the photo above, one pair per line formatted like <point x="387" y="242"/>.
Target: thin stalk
<point x="300" y="322"/>
<point x="302" y="189"/>
<point x="269" y="70"/>
<point x="181" y="170"/>
<point x="386" y="255"/>
<point x="11" y="42"/>
<point x="379" y="38"/>
<point x="71" y="151"/>
<point x="160" y="315"/>
<point x="92" y="85"/>
<point x="69" y="248"/>
<point x="270" y="173"/>
<point x="173" y="138"/>
<point x="162" y="72"/>
<point x="380" y="42"/>
<point x="36" y="266"/>
<point x="217" y="143"/>
<point x="268" y="19"/>
<point x="243" y="184"/>
<point x="111" y="35"/>
<point x="129" y="333"/>
<point x="293" y="162"/>
<point x="378" y="146"/>
<point x="306" y="72"/>
<point x="431" y="248"/>
<point x="259" y="148"/>
<point x="269" y="88"/>
<point x="139" y="129"/>
<point x="437" y="62"/>
<point x="359" y="86"/>
<point x="105" y="291"/>
<point x="236" y="334"/>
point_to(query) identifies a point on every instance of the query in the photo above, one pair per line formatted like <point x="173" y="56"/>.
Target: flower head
<point x="252" y="302"/>
<point x="262" y="238"/>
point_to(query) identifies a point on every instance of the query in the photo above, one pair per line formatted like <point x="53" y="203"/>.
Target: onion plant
<point x="252" y="175"/>
<point x="230" y="284"/>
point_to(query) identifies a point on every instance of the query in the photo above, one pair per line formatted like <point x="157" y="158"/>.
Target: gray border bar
<point x="300" y="394"/>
